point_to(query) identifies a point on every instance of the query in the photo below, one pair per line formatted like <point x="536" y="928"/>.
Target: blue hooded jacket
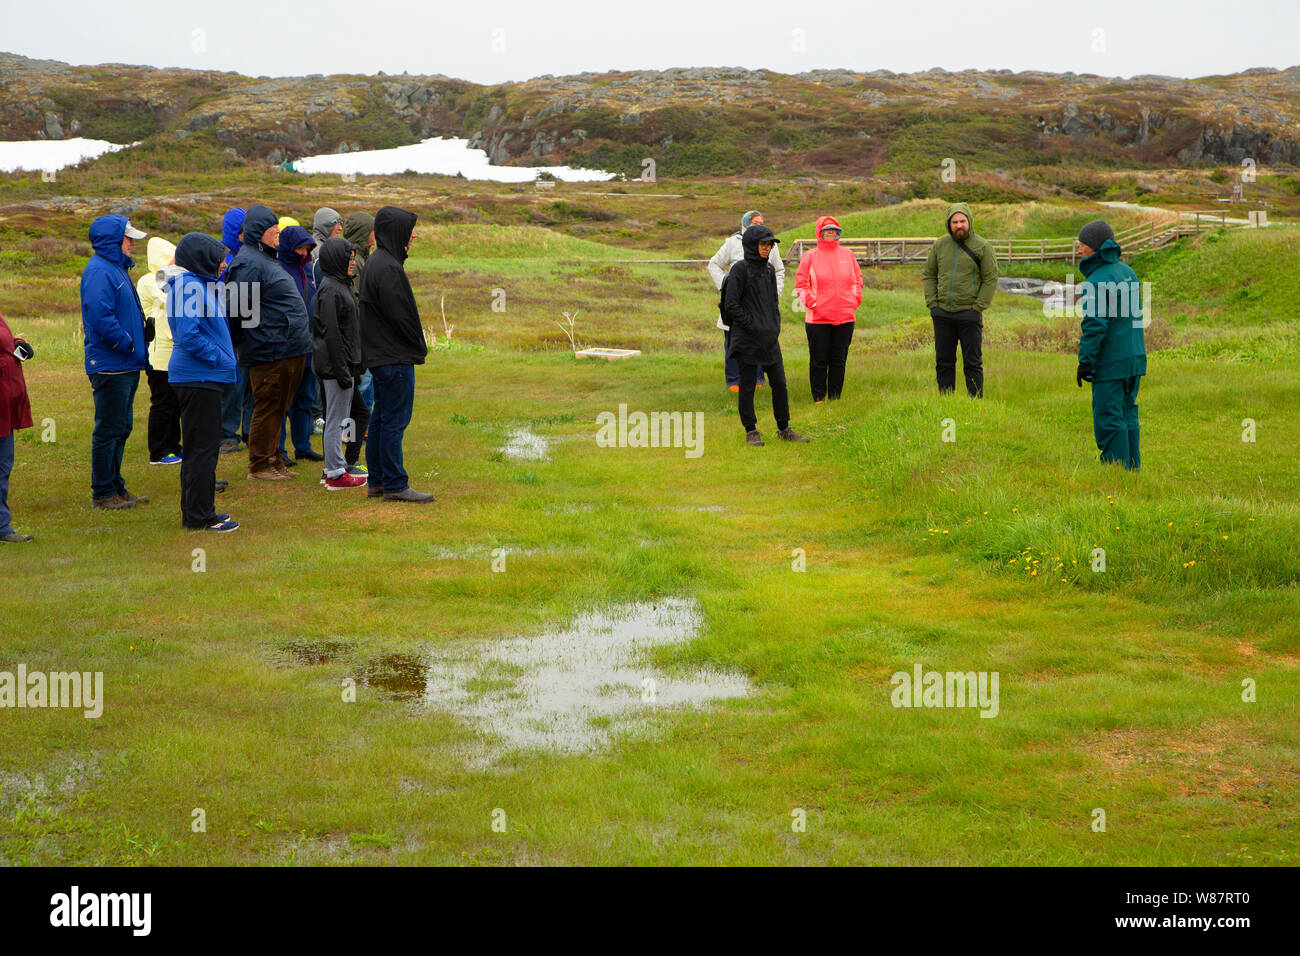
<point x="202" y="351"/>
<point x="231" y="223"/>
<point x="112" y="320"/>
<point x="280" y="329"/>
<point x="293" y="238"/>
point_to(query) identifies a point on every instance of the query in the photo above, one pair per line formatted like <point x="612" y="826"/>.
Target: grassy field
<point x="1121" y="690"/>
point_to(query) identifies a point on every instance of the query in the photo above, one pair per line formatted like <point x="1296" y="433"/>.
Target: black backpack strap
<point x="979" y="263"/>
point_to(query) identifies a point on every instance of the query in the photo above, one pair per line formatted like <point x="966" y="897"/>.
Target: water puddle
<point x="572" y="690"/>
<point x="522" y="444"/>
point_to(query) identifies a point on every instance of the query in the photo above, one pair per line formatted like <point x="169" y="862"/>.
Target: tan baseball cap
<point x="134" y="233"/>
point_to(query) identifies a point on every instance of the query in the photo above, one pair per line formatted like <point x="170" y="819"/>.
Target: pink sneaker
<point x="344" y="481"/>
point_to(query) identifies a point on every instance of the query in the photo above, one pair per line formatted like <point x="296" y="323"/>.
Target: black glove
<point x="344" y="384"/>
<point x="1083" y="374"/>
<point x="148" y="329"/>
<point x="23" y="351"/>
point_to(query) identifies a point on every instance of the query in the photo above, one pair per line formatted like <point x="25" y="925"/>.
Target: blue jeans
<point x="367" y="388"/>
<point x="6" y="466"/>
<point x="300" y="414"/>
<point x="236" y="407"/>
<point x="114" y="404"/>
<point x="394" y="398"/>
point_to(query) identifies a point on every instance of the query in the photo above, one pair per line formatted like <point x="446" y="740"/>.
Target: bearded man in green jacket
<point x="960" y="277"/>
<point x="1112" y="346"/>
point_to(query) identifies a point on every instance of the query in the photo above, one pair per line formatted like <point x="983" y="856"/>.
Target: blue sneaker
<point x="222" y="527"/>
<point x="167" y="460"/>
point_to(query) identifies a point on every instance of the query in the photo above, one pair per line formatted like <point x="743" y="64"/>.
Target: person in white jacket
<point x="727" y="256"/>
<point x="164" y="411"/>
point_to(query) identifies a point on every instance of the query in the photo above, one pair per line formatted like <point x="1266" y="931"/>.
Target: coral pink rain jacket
<point x="829" y="280"/>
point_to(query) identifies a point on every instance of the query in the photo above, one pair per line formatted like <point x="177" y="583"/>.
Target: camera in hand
<point x="23" y="351"/>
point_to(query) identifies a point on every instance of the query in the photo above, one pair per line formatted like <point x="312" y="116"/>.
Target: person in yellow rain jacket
<point x="164" y="412"/>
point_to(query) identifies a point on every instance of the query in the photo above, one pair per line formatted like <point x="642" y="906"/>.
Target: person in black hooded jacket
<point x="272" y="336"/>
<point x="751" y="307"/>
<point x="336" y="342"/>
<point x="392" y="344"/>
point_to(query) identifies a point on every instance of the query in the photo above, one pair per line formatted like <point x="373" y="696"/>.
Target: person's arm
<point x="395" y="302"/>
<point x="930" y="277"/>
<point x="856" y="275"/>
<point x="803" y="282"/>
<point x="101" y="314"/>
<point x="731" y="307"/>
<point x="187" y="322"/>
<point x="718" y="265"/>
<point x="1095" y="323"/>
<point x="328" y="317"/>
<point x="988" y="278"/>
<point x="779" y="266"/>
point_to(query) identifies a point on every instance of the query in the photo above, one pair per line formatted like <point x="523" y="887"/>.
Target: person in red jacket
<point x="15" y="413"/>
<point x="829" y="284"/>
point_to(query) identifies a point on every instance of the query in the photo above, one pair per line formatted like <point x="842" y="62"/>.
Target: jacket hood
<point x="231" y="223"/>
<point x="167" y="273"/>
<point x="285" y="222"/>
<point x="201" y="254"/>
<point x="293" y="238"/>
<point x="393" y="228"/>
<point x="959" y="207"/>
<point x="357" y="229"/>
<point x="822" y="223"/>
<point x="160" y="252"/>
<point x="256" y="222"/>
<point x="334" y="256"/>
<point x="750" y="239"/>
<point x="106" y="234"/>
<point x="1108" y="253"/>
<point x="323" y="223"/>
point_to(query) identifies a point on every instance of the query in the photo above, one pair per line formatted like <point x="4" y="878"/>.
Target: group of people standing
<point x="959" y="279"/>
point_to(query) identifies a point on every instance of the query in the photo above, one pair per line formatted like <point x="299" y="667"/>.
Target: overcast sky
<point x="490" y="42"/>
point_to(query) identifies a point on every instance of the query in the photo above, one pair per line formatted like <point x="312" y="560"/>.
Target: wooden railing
<point x="1143" y="237"/>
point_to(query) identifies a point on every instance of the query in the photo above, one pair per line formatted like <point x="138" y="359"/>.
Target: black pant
<point x="968" y="329"/>
<point x="828" y="353"/>
<point x="360" y="422"/>
<point x="164" y="417"/>
<point x="201" y="433"/>
<point x="775" y="381"/>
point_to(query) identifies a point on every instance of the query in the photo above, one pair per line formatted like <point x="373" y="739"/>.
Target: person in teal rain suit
<point x="1112" y="348"/>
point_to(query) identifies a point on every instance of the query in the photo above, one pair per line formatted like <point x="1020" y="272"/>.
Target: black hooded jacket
<point x="199" y="253"/>
<point x="750" y="304"/>
<point x="336" y="324"/>
<point x="281" y="328"/>
<point x="391" y="332"/>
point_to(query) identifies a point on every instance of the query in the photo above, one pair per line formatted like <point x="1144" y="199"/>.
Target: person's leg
<point x="157" y="426"/>
<point x="841" y="336"/>
<point x="247" y="405"/>
<point x="971" y="333"/>
<point x="338" y="406"/>
<point x="374" y="437"/>
<point x="201" y="434"/>
<point x="6" y="468"/>
<point x="780" y="395"/>
<point x="126" y="423"/>
<point x="367" y="390"/>
<point x="819" y="357"/>
<point x="397" y="415"/>
<point x="745" y="398"/>
<point x="360" y="415"/>
<point x="1131" y="420"/>
<point x="300" y="414"/>
<point x="172" y="411"/>
<point x="105" y="391"/>
<point x="1108" y="424"/>
<point x="263" y="431"/>
<point x="945" y="353"/>
<point x="730" y="368"/>
<point x="232" y="411"/>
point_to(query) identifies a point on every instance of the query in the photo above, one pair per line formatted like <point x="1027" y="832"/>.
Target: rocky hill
<point x="689" y="121"/>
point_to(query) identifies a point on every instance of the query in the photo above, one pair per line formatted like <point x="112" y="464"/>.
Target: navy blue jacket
<point x="112" y="320"/>
<point x="279" y="328"/>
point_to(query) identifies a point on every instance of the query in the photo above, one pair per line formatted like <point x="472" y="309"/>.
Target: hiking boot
<point x="343" y="481"/>
<point x="311" y="455"/>
<point x="374" y="491"/>
<point x="230" y="445"/>
<point x="288" y="462"/>
<point x="13" y="537"/>
<point x="753" y="438"/>
<point x="222" y="485"/>
<point x="112" y="503"/>
<point x="135" y="499"/>
<point x="408" y="494"/>
<point x="284" y="472"/>
<point x="267" y="474"/>
<point x="789" y="434"/>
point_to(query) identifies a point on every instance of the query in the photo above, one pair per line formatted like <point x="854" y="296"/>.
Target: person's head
<point x="828" y="229"/>
<point x="129" y="235"/>
<point x="200" y="254"/>
<point x="765" y="248"/>
<point x="960" y="221"/>
<point x="371" y="241"/>
<point x="271" y="238"/>
<point x="359" y="229"/>
<point x="352" y="262"/>
<point x="757" y="241"/>
<point x="261" y="229"/>
<point x="326" y="224"/>
<point x="113" y="237"/>
<point x="232" y="229"/>
<point x="751" y="218"/>
<point x="1093" y="236"/>
<point x="395" y="230"/>
<point x="337" y="258"/>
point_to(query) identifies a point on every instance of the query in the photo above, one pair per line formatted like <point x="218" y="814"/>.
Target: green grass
<point x="1120" y="690"/>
